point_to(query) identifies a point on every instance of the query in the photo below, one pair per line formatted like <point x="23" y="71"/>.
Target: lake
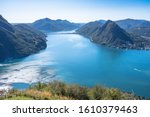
<point x="75" y="60"/>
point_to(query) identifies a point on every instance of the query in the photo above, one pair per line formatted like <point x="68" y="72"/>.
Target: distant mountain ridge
<point x="112" y="35"/>
<point x="49" y="25"/>
<point x="133" y="23"/>
<point x="89" y="28"/>
<point x="133" y="26"/>
<point x="136" y="27"/>
<point x="19" y="40"/>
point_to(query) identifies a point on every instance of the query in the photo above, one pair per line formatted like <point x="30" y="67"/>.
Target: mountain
<point x="141" y="31"/>
<point x="132" y="23"/>
<point x="19" y="40"/>
<point x="4" y="24"/>
<point x="111" y="35"/>
<point x="89" y="28"/>
<point x="135" y="27"/>
<point x="132" y="26"/>
<point x="48" y="25"/>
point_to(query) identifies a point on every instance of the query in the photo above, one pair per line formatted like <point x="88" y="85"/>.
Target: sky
<point x="80" y="11"/>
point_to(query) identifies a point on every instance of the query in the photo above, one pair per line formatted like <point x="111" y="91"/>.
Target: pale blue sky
<point x="74" y="10"/>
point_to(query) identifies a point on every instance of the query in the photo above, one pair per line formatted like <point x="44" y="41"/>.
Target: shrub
<point x="39" y="86"/>
<point x="97" y="93"/>
<point x="77" y="92"/>
<point x="113" y="94"/>
<point x="61" y="91"/>
<point x="57" y="88"/>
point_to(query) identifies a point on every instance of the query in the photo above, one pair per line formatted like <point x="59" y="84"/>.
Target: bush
<point x="77" y="92"/>
<point x="58" y="90"/>
<point x="57" y="87"/>
<point x="39" y="86"/>
<point x="113" y="94"/>
<point x="97" y="93"/>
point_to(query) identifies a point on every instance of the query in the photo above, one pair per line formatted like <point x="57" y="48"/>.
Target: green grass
<point x="61" y="91"/>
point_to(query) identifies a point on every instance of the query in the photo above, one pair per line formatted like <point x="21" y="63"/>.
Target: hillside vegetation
<point x="61" y="91"/>
<point x="20" y="40"/>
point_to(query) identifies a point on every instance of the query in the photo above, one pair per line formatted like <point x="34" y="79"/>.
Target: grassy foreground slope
<point x="61" y="91"/>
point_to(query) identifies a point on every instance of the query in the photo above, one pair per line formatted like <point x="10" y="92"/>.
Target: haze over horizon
<point x="23" y="11"/>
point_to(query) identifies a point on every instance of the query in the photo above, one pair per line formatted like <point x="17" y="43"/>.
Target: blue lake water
<point x="74" y="59"/>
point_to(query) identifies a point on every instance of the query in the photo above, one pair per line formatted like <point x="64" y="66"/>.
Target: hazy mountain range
<point x="48" y="25"/>
<point x="20" y="40"/>
<point x="137" y="27"/>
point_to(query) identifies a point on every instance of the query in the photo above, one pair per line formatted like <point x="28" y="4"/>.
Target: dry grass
<point x="61" y="91"/>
